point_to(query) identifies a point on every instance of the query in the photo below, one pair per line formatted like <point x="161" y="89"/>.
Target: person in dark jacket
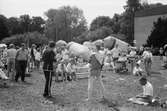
<point x="48" y="59"/>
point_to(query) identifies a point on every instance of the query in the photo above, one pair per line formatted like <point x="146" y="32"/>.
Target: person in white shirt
<point x="148" y="59"/>
<point x="115" y="53"/>
<point x="147" y="94"/>
<point x="11" y="56"/>
<point x="71" y="70"/>
<point x="37" y="58"/>
<point x="137" y="71"/>
<point x="108" y="61"/>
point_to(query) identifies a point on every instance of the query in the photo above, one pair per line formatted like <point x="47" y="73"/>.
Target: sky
<point x="91" y="8"/>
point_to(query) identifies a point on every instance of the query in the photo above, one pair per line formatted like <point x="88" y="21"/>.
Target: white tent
<point x="90" y="45"/>
<point x="3" y="45"/>
<point x="112" y="41"/>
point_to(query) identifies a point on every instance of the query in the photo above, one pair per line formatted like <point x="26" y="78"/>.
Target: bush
<point x="28" y="38"/>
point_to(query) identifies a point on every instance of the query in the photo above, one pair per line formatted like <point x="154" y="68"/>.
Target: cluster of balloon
<point x="79" y="50"/>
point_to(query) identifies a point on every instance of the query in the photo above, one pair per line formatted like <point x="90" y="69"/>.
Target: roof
<point x="161" y="10"/>
<point x="120" y="36"/>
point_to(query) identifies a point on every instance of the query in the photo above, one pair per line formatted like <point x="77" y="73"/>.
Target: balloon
<point x="61" y="43"/>
<point x="90" y="45"/>
<point x="79" y="50"/>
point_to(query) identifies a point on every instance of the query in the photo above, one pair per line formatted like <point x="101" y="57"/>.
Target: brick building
<point x="143" y="22"/>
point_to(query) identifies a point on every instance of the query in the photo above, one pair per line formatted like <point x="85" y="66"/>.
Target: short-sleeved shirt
<point x="148" y="89"/>
<point x="22" y="54"/>
<point x="11" y="53"/>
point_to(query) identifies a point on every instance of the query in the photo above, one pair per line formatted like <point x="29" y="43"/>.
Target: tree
<point x="101" y="21"/>
<point x="25" y="22"/>
<point x="3" y="27"/>
<point x="99" y="33"/>
<point x="14" y="26"/>
<point x="37" y="24"/>
<point x="65" y="23"/>
<point x="158" y="36"/>
<point x="28" y="38"/>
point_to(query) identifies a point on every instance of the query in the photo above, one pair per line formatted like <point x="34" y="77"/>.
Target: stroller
<point x="121" y="65"/>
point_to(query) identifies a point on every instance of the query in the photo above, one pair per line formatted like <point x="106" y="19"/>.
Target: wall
<point x="143" y="27"/>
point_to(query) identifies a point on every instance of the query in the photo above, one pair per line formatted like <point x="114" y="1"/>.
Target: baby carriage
<point x="121" y="65"/>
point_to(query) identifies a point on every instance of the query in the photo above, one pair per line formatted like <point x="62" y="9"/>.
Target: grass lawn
<point x="71" y="96"/>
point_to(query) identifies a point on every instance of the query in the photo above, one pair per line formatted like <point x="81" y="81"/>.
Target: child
<point x="71" y="70"/>
<point x="147" y="94"/>
<point x="147" y="56"/>
<point x="146" y="97"/>
<point x="137" y="71"/>
<point x="109" y="61"/>
<point x="37" y="58"/>
<point x="61" y="71"/>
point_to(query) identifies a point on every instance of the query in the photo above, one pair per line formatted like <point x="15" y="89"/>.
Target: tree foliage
<point x="3" y="28"/>
<point x="158" y="36"/>
<point x="101" y="21"/>
<point x="65" y="23"/>
<point x="28" y="38"/>
<point x="99" y="33"/>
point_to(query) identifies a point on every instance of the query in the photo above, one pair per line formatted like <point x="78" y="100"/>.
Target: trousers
<point x="20" y="69"/>
<point x="48" y="82"/>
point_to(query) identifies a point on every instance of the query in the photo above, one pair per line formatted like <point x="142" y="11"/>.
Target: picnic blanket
<point x="139" y="101"/>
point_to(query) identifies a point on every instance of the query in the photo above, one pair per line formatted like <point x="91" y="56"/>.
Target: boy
<point x="109" y="61"/>
<point x="147" y="56"/>
<point x="71" y="70"/>
<point x="137" y="71"/>
<point x="147" y="94"/>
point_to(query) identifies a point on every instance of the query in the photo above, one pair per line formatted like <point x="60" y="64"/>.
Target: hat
<point x="108" y="53"/>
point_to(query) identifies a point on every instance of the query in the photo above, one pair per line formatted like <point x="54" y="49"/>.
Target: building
<point x="143" y="22"/>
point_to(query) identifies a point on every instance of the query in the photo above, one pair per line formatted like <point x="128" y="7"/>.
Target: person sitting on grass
<point x="146" y="97"/>
<point x="147" y="94"/>
<point x="137" y="71"/>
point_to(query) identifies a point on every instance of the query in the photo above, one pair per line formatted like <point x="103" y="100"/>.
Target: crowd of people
<point x="58" y="61"/>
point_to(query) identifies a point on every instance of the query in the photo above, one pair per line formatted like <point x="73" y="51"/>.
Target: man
<point x="48" y="59"/>
<point x="11" y="56"/>
<point x="21" y="62"/>
<point x="96" y="63"/>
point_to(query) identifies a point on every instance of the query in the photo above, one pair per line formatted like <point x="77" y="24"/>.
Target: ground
<point x="71" y="96"/>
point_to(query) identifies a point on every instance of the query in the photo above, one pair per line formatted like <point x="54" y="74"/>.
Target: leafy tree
<point x="28" y="38"/>
<point x="25" y="22"/>
<point x="3" y="27"/>
<point x="65" y="23"/>
<point x="99" y="33"/>
<point x="101" y="21"/>
<point x="14" y="26"/>
<point x="37" y="24"/>
<point x="158" y="36"/>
